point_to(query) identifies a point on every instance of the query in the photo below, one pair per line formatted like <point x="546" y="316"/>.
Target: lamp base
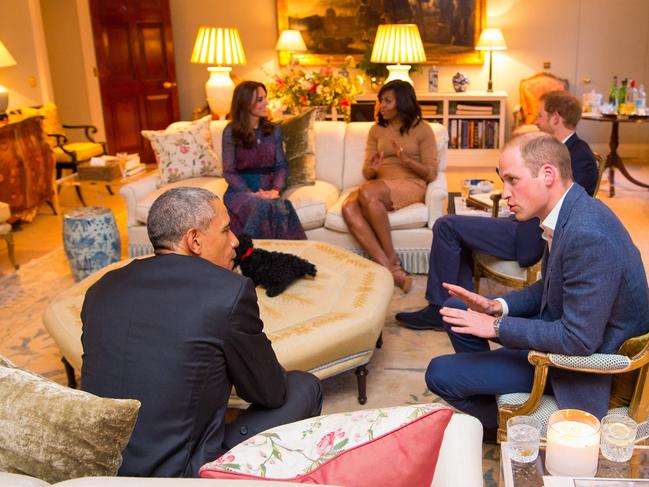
<point x="4" y="99"/>
<point x="399" y="71"/>
<point x="219" y="89"/>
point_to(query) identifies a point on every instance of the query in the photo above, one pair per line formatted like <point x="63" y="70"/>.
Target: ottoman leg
<point x="379" y="342"/>
<point x="361" y="374"/>
<point x="69" y="372"/>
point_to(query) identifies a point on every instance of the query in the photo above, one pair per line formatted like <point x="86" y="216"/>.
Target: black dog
<point x="273" y="270"/>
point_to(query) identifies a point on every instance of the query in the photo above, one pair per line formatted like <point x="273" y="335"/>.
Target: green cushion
<point x="55" y="433"/>
<point x="299" y="142"/>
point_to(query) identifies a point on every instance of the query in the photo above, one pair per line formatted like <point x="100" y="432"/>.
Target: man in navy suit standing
<point x="591" y="298"/>
<point x="456" y="236"/>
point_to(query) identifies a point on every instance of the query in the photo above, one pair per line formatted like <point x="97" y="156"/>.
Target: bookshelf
<point x="475" y="121"/>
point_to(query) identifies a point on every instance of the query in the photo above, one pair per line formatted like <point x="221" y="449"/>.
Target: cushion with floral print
<point x="378" y="447"/>
<point x="184" y="152"/>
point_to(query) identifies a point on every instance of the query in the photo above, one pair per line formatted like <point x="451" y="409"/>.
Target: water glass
<point x="523" y="436"/>
<point x="618" y="437"/>
<point x="466" y="188"/>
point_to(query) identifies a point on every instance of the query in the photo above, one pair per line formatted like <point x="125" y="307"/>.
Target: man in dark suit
<point x="456" y="236"/>
<point x="591" y="298"/>
<point x="176" y="331"/>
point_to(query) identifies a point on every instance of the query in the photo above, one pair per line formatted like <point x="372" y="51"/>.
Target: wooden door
<point x="137" y="75"/>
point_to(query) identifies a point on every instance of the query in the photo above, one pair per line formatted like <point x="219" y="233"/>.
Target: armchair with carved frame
<point x="530" y="91"/>
<point x="630" y="390"/>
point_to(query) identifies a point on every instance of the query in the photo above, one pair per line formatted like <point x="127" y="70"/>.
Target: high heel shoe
<point x="401" y="279"/>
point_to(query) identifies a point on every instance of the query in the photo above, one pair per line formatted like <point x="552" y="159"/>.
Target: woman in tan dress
<point x="400" y="161"/>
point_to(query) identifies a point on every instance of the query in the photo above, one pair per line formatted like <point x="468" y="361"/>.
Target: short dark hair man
<point x="176" y="331"/>
<point x="591" y="298"/>
<point x="456" y="236"/>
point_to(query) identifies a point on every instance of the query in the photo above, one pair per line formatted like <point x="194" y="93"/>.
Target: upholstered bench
<point x="326" y="325"/>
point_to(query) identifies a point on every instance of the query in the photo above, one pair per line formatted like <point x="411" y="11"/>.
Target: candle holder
<point x="572" y="443"/>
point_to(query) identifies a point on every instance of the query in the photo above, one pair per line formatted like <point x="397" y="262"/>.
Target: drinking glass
<point x="618" y="437"/>
<point x="466" y="187"/>
<point x="523" y="436"/>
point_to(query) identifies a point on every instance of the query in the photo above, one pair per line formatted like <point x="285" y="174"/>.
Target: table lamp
<point x="290" y="41"/>
<point x="491" y="40"/>
<point x="398" y="43"/>
<point x="220" y="46"/>
<point x="6" y="60"/>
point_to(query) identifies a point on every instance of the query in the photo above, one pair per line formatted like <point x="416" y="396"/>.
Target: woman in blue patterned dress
<point x="256" y="169"/>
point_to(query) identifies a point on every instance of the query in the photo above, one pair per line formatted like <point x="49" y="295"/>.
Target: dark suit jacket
<point x="529" y="244"/>
<point x="176" y="332"/>
<point x="592" y="297"/>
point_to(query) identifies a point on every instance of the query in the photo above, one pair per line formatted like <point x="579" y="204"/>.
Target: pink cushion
<point x="378" y="447"/>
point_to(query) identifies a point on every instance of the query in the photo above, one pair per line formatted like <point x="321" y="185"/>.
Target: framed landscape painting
<point x="334" y="29"/>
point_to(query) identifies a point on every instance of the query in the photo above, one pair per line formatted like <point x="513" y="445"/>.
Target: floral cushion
<point x="184" y="152"/>
<point x="359" y="448"/>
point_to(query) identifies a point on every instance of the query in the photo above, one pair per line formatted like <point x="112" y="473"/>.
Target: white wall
<point x="66" y="60"/>
<point x="28" y="82"/>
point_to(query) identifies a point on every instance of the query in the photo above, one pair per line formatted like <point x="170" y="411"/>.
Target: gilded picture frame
<point x="335" y="29"/>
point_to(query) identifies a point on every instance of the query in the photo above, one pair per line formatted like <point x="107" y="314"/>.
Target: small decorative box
<point x="111" y="170"/>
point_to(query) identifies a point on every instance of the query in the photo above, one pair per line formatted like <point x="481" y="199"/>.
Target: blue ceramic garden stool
<point x="90" y="239"/>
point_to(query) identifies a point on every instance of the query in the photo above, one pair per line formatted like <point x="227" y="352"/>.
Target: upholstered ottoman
<point x="326" y="325"/>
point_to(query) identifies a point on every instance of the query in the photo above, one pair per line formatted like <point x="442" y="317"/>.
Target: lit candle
<point x="572" y="443"/>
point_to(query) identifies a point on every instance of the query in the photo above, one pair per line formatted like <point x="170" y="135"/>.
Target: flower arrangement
<point x="296" y="88"/>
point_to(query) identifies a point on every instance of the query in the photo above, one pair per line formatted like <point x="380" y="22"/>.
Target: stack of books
<point x="130" y="164"/>
<point x="464" y="109"/>
<point x="429" y="110"/>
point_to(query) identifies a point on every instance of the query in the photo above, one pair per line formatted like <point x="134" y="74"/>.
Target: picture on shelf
<point x="334" y="29"/>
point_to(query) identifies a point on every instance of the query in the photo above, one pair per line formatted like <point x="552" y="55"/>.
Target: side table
<point x="613" y="159"/>
<point x="74" y="181"/>
<point x="514" y="474"/>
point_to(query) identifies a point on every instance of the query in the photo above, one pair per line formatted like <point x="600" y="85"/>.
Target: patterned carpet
<point x="396" y="370"/>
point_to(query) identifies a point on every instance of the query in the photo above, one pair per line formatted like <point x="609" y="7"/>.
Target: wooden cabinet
<point x="26" y="168"/>
<point x="475" y="121"/>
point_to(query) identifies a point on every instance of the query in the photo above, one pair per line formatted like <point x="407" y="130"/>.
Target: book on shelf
<point x="464" y="109"/>
<point x="473" y="134"/>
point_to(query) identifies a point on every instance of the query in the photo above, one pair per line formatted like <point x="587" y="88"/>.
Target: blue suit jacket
<point x="592" y="297"/>
<point x="529" y="245"/>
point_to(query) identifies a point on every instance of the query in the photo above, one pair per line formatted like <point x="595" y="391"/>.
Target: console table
<point x="26" y="168"/>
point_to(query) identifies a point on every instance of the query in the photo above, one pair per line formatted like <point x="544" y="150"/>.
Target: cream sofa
<point x="339" y="157"/>
<point x="459" y="464"/>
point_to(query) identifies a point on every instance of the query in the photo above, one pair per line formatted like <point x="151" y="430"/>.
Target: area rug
<point x="396" y="372"/>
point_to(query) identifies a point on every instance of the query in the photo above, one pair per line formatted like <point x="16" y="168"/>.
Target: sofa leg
<point x="69" y="372"/>
<point x="379" y="342"/>
<point x="361" y="375"/>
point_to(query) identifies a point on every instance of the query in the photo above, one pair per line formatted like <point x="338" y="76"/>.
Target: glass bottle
<point x="622" y="97"/>
<point x="613" y="95"/>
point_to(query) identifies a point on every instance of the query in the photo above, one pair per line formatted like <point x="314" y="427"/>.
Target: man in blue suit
<point x="591" y="298"/>
<point x="456" y="236"/>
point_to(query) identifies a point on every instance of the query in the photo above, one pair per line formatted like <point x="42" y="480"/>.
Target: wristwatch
<point x="497" y="323"/>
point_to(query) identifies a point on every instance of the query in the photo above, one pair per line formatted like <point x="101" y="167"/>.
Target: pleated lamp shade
<point x="397" y="44"/>
<point x="220" y="46"/>
<point x="6" y="60"/>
